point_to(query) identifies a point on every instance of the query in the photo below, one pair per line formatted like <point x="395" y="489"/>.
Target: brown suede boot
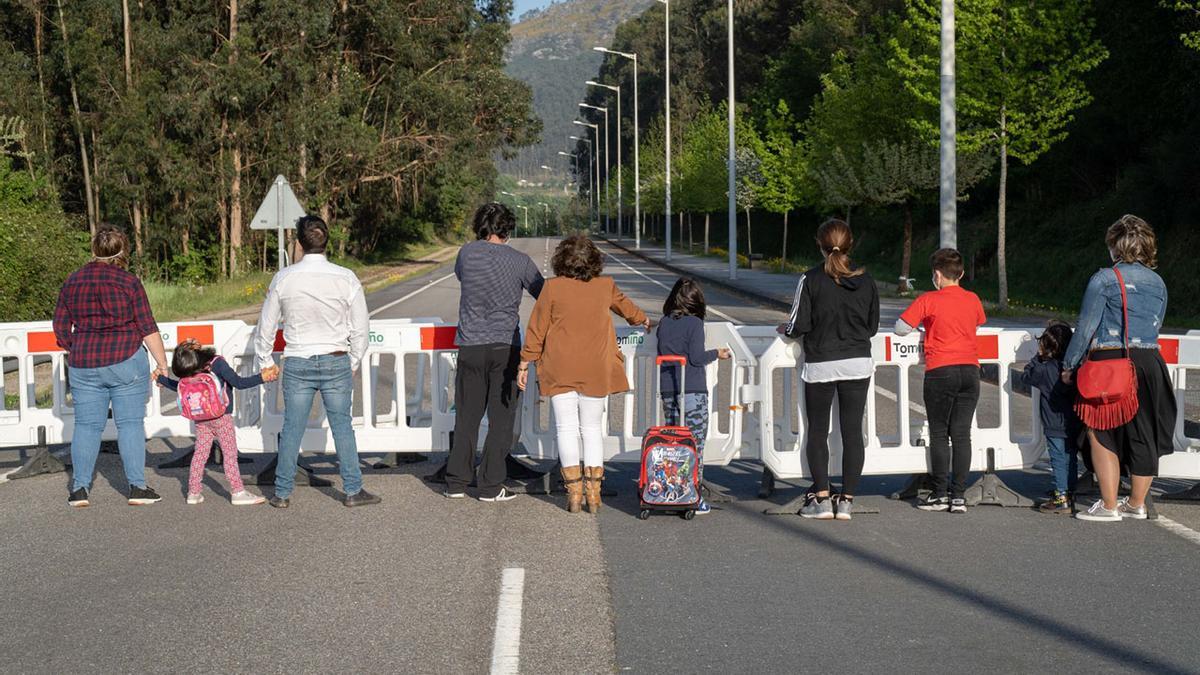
<point x="594" y="478"/>
<point x="573" y="483"/>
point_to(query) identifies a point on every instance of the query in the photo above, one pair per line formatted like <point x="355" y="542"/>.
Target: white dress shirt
<point x="321" y="307"/>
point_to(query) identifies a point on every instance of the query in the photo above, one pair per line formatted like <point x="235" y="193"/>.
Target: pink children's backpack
<point x="202" y="397"/>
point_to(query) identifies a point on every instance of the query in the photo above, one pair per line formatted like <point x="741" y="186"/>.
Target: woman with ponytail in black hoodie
<point x="836" y="313"/>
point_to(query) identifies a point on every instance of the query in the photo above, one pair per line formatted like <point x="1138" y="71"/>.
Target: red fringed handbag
<point x="1108" y="388"/>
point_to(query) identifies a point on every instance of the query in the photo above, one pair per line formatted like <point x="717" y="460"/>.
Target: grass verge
<point x="176" y="302"/>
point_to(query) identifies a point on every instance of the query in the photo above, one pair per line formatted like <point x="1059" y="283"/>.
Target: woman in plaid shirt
<point x="103" y="320"/>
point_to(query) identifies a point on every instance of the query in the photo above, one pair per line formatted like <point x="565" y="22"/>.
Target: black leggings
<point x="852" y="405"/>
<point x="951" y="394"/>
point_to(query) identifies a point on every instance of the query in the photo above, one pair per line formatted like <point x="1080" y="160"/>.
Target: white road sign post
<point x="279" y="211"/>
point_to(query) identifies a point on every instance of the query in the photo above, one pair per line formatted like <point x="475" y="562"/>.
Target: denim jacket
<point x="1100" y="317"/>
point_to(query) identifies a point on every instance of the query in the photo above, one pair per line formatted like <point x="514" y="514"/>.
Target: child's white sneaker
<point x="245" y="498"/>
<point x="195" y="499"/>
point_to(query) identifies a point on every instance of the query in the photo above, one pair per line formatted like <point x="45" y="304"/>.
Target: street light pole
<point x="732" y="158"/>
<point x="547" y="207"/>
<point x="948" y="179"/>
<point x="637" y="164"/>
<point x="667" y="49"/>
<point x="594" y="198"/>
<point x="620" y="203"/>
<point x="605" y="154"/>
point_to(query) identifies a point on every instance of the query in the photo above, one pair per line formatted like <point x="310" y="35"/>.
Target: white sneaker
<point x="246" y="498"/>
<point x="1097" y="513"/>
<point x="454" y="495"/>
<point x="1127" y="511"/>
<point x="195" y="499"/>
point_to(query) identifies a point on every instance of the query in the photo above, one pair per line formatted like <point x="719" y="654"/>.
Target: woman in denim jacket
<point x="1138" y="443"/>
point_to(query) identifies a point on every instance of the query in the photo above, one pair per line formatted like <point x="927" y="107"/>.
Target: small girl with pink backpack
<point x="205" y="388"/>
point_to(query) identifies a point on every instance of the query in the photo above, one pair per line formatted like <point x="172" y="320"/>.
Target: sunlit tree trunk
<point x="77" y="118"/>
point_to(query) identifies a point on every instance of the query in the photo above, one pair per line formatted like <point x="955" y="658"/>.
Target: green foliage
<point x="379" y="113"/>
<point x="38" y="247"/>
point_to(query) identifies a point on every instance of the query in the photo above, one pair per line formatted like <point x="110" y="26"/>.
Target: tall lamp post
<point x="574" y="157"/>
<point x="605" y="154"/>
<point x="948" y="179"/>
<point x="620" y="202"/>
<point x="732" y="157"/>
<point x="547" y="221"/>
<point x="596" y="146"/>
<point x="637" y="165"/>
<point x="667" y="79"/>
<point x="591" y="160"/>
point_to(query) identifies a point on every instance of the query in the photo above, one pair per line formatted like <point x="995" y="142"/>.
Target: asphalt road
<point x="413" y="585"/>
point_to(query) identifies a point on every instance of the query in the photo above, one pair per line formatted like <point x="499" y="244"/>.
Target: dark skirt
<point x="1150" y="434"/>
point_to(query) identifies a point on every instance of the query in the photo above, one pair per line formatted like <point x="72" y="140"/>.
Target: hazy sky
<point x="523" y="6"/>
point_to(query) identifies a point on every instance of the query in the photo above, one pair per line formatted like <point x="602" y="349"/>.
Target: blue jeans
<point x="126" y="385"/>
<point x="302" y="379"/>
<point x="1064" y="463"/>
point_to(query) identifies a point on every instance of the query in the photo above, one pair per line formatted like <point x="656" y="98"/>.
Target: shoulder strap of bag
<point x="1124" y="310"/>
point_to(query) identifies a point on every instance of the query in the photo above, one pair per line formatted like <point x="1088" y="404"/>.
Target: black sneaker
<point x="502" y="496"/>
<point x="140" y="496"/>
<point x="79" y="498"/>
<point x="934" y="503"/>
<point x="279" y="502"/>
<point x="361" y="498"/>
<point x="958" y="505"/>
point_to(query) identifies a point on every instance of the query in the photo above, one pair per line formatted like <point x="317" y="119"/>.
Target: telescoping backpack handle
<point x="681" y="361"/>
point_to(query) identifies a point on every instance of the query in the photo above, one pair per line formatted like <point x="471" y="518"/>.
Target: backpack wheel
<point x="688" y="515"/>
<point x="643" y="514"/>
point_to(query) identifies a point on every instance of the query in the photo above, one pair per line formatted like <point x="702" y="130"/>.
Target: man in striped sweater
<point x="492" y="278"/>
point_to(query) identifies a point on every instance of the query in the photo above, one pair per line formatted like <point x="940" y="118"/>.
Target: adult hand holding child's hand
<point x="270" y="373"/>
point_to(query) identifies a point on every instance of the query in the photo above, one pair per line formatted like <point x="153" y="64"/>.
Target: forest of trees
<point x="170" y="118"/>
<point x="1070" y="113"/>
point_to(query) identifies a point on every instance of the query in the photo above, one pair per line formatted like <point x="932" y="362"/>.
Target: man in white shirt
<point x="324" y="317"/>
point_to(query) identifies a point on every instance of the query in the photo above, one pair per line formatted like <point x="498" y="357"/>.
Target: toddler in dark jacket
<point x="1056" y="409"/>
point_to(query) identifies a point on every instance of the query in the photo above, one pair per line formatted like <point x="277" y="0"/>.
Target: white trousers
<point x="576" y="415"/>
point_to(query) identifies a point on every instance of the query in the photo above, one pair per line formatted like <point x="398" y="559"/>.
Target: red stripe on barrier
<point x="439" y="337"/>
<point x="1170" y="350"/>
<point x="988" y="346"/>
<point x="201" y="334"/>
<point x="887" y="348"/>
<point x="42" y="341"/>
<point x="280" y="343"/>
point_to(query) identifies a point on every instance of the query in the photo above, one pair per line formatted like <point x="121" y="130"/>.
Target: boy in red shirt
<point x="950" y="316"/>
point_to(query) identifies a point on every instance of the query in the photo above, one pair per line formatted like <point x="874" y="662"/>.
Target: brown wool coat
<point x="572" y="340"/>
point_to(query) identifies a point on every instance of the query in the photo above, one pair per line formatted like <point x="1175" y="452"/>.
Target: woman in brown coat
<point x="571" y="338"/>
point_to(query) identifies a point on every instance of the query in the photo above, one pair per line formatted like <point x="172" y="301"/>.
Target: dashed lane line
<point x="506" y="641"/>
<point x="652" y="280"/>
<point x="1179" y="529"/>
<point x="406" y="297"/>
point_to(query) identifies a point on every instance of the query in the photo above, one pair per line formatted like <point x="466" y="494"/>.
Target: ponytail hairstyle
<point x="836" y="241"/>
<point x="686" y="299"/>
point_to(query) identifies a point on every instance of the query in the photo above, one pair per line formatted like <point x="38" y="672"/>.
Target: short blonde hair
<point x="1132" y="240"/>
<point x="111" y="246"/>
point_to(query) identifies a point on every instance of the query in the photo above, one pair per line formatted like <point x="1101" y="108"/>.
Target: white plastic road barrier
<point x="1182" y="354"/>
<point x="36" y="368"/>
<point x="401" y="397"/>
<point x="628" y="415"/>
<point x="404" y="396"/>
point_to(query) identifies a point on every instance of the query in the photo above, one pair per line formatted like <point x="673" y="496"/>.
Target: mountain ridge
<point x="551" y="51"/>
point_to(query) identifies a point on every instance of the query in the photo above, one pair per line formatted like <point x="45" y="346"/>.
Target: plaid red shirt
<point x="102" y="316"/>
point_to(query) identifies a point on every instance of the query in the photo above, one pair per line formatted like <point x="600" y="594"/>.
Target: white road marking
<point x="506" y="642"/>
<point x="920" y="409"/>
<point x="419" y="290"/>
<point x="659" y="283"/>
<point x="1179" y="529"/>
